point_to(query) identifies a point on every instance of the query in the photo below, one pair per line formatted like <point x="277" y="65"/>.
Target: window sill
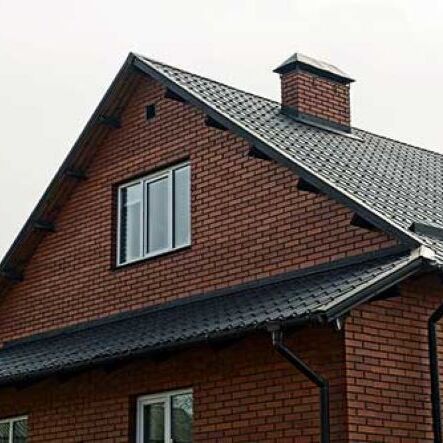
<point x="157" y="255"/>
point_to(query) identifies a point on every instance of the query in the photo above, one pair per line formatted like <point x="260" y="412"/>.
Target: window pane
<point x="158" y="215"/>
<point x="181" y="420"/>
<point x="130" y="223"/>
<point x="4" y="432"/>
<point x="182" y="203"/>
<point x="20" y="431"/>
<point x="154" y="423"/>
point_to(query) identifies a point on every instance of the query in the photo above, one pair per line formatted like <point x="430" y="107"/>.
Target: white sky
<point x="58" y="57"/>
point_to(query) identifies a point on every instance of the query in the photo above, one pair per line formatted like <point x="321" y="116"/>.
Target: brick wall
<point x="248" y="221"/>
<point x="243" y="393"/>
<point x="377" y="368"/>
<point x="387" y="366"/>
<point x="316" y="96"/>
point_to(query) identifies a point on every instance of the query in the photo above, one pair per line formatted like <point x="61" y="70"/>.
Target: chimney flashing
<point x="318" y="122"/>
<point x="300" y="62"/>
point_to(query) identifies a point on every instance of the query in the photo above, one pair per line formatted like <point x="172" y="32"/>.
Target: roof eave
<point x="325" y="315"/>
<point x="373" y="288"/>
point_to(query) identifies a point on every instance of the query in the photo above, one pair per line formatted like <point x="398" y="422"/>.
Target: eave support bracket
<point x="360" y="222"/>
<point x="12" y="275"/>
<point x="109" y="120"/>
<point x="43" y="225"/>
<point x="209" y="121"/>
<point x="303" y="185"/>
<point x="76" y="173"/>
<point x="255" y="153"/>
<point x="173" y="96"/>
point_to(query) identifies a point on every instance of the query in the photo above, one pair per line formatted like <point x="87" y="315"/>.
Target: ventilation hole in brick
<point x="150" y="112"/>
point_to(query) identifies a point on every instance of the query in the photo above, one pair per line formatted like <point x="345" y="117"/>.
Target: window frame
<point x="144" y="181"/>
<point x="166" y="398"/>
<point x="11" y="421"/>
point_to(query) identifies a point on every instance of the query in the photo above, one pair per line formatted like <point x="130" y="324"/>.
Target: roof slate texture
<point x="401" y="182"/>
<point x="196" y="319"/>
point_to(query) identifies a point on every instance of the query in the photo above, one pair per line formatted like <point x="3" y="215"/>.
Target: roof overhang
<point x="318" y="295"/>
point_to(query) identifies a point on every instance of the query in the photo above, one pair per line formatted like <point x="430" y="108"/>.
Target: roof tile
<point x="193" y="320"/>
<point x="399" y="181"/>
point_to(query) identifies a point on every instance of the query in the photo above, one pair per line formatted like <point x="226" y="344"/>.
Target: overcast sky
<point x="58" y="57"/>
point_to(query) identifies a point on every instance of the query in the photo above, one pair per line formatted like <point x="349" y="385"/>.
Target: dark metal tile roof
<point x="249" y="307"/>
<point x="400" y="182"/>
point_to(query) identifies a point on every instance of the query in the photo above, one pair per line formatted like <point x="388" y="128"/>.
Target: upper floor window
<point x="165" y="418"/>
<point x="154" y="214"/>
<point x="14" y="430"/>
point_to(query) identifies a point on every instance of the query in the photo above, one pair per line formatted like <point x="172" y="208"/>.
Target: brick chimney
<point x="315" y="92"/>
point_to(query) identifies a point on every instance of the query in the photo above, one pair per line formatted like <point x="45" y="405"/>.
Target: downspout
<point x="435" y="374"/>
<point x="297" y="362"/>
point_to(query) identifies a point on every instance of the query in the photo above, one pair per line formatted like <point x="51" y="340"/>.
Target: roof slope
<point x="297" y="297"/>
<point x="401" y="183"/>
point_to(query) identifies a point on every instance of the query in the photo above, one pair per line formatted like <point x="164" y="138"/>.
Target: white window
<point x="165" y="418"/>
<point x="14" y="430"/>
<point x="154" y="214"/>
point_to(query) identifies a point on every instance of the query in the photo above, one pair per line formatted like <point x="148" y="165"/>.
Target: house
<point x="208" y="265"/>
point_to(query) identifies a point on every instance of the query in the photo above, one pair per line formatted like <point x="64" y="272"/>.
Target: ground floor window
<point x="165" y="418"/>
<point x="14" y="430"/>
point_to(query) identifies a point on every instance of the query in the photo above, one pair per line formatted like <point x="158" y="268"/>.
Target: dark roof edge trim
<point x="375" y="287"/>
<point x="280" y="156"/>
<point x="318" y="122"/>
<point x="361" y="294"/>
<point x="69" y="160"/>
<point x="198" y="297"/>
<point x="37" y="376"/>
<point x="430" y="229"/>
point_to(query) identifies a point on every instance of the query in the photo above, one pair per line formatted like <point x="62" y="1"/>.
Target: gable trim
<point x="69" y="174"/>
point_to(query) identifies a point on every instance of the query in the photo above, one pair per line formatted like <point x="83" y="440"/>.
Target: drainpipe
<point x="297" y="362"/>
<point x="435" y="375"/>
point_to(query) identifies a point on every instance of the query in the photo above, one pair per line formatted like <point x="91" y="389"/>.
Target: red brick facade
<point x="387" y="365"/>
<point x="316" y="96"/>
<point x="248" y="221"/>
<point x="244" y="393"/>
<point x="377" y="368"/>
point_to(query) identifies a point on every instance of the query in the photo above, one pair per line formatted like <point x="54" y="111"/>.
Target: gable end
<point x="106" y="118"/>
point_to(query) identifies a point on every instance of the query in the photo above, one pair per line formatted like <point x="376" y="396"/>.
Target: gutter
<point x="334" y="311"/>
<point x="364" y="293"/>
